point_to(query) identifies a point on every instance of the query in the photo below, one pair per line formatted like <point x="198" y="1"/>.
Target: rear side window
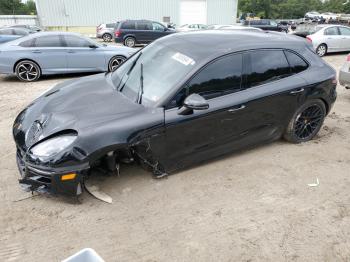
<point x="48" y="41"/>
<point x="267" y="66"/>
<point x="28" y="43"/>
<point x="74" y="41"/>
<point x="144" y="25"/>
<point x="331" y="31"/>
<point x="221" y="77"/>
<point x="129" y="25"/>
<point x="296" y="63"/>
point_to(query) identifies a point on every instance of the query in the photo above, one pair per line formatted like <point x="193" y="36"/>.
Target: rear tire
<point x="130" y="41"/>
<point x="306" y="122"/>
<point x="321" y="50"/>
<point x="107" y="37"/>
<point x="28" y="71"/>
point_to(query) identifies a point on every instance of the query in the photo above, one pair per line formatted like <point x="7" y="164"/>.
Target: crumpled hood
<point x="72" y="105"/>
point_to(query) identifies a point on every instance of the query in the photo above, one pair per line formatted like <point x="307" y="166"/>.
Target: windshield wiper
<point x="129" y="71"/>
<point x="139" y="97"/>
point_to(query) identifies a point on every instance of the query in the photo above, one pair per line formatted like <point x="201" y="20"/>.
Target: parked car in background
<point x="9" y="34"/>
<point x="329" y="16"/>
<point x="31" y="28"/>
<point x="252" y="88"/>
<point x="47" y="53"/>
<point x="330" y="38"/>
<point x="344" y="73"/>
<point x="266" y="24"/>
<point x="133" y="32"/>
<point x="313" y="15"/>
<point x="232" y="27"/>
<point x="105" y="31"/>
<point x="191" y="27"/>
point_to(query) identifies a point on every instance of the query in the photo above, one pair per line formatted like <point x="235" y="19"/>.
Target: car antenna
<point x="139" y="100"/>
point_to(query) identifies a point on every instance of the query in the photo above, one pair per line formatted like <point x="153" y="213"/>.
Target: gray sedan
<point x="50" y="53"/>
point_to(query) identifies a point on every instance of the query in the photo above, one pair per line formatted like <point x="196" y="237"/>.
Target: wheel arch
<point x="25" y="59"/>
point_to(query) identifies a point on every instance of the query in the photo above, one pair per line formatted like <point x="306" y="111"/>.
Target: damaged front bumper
<point x="50" y="180"/>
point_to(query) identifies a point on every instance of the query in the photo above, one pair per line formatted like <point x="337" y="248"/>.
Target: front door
<point x="345" y="36"/>
<point x="333" y="39"/>
<point x="82" y="56"/>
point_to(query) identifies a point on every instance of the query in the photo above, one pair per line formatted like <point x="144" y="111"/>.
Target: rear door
<point x="345" y="36"/>
<point x="49" y="52"/>
<point x="82" y="56"/>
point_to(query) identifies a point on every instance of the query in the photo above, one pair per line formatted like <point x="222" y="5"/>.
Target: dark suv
<point x="266" y="24"/>
<point x="133" y="32"/>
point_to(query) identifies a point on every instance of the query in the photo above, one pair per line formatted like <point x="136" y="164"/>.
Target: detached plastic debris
<point x="85" y="255"/>
<point x="95" y="191"/>
<point x="315" y="184"/>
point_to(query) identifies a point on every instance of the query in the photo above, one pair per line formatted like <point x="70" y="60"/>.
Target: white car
<point x="330" y="38"/>
<point x="233" y="27"/>
<point x="329" y="16"/>
<point x="313" y="15"/>
<point x="191" y="27"/>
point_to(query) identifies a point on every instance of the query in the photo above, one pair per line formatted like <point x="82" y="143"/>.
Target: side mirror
<point x="193" y="102"/>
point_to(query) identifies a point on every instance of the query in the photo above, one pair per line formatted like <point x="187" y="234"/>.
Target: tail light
<point x="309" y="39"/>
<point x="334" y="80"/>
<point x="348" y="58"/>
<point x="117" y="33"/>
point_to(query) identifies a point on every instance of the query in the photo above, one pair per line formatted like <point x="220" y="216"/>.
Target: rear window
<point x="129" y="25"/>
<point x="6" y="32"/>
<point x="27" y="43"/>
<point x="110" y="25"/>
<point x="297" y="64"/>
<point x="267" y="66"/>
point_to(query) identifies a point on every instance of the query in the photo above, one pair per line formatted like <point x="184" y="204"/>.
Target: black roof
<point x="202" y="45"/>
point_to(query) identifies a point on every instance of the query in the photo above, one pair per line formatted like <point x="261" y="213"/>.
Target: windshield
<point x="162" y="66"/>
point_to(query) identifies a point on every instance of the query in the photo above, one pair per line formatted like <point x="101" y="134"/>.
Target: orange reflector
<point x="68" y="177"/>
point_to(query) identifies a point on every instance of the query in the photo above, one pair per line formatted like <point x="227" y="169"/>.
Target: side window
<point x="48" y="41"/>
<point x="74" y="41"/>
<point x="157" y="27"/>
<point x="331" y="31"/>
<point x="344" y="30"/>
<point x="28" y="43"/>
<point x="296" y="63"/>
<point x="267" y="66"/>
<point x="221" y="77"/>
<point x="20" y="32"/>
<point x="128" y="25"/>
<point x="144" y="26"/>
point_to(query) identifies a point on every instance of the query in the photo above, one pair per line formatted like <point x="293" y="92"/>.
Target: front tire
<point x="115" y="62"/>
<point x="28" y="71"/>
<point x="130" y="41"/>
<point x="306" y="122"/>
<point x="321" y="50"/>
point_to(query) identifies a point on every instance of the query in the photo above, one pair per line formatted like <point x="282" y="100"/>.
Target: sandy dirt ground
<point x="255" y="205"/>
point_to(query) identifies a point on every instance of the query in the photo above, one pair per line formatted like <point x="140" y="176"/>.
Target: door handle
<point x="71" y="51"/>
<point x="297" y="91"/>
<point x="36" y="51"/>
<point x="232" y="110"/>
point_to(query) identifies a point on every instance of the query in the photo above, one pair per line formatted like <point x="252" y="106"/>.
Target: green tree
<point x="16" y="7"/>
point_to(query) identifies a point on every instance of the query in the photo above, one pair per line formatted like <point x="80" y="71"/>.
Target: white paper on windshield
<point x="183" y="59"/>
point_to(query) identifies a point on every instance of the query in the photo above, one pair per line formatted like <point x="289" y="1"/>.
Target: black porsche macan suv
<point x="175" y="103"/>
